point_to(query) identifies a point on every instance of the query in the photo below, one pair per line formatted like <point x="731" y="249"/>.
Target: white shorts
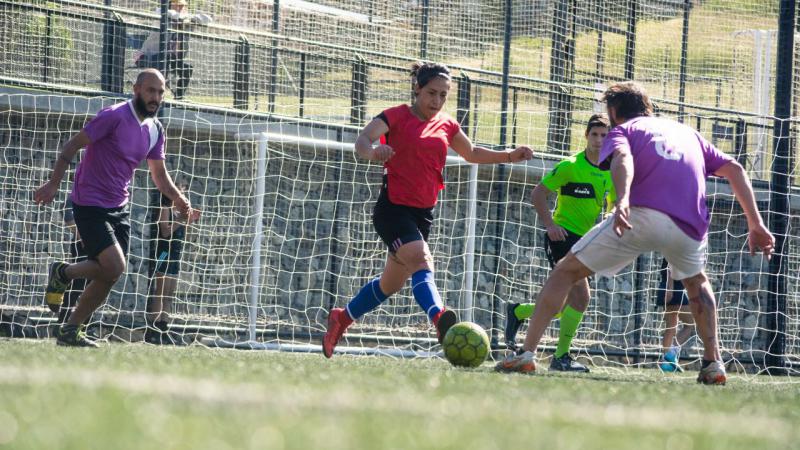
<point x="605" y="253"/>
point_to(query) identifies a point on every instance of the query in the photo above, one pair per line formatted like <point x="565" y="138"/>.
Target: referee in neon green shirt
<point x="582" y="188"/>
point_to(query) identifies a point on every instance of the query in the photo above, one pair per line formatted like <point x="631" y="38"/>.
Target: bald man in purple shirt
<point x="117" y="140"/>
<point x="659" y="168"/>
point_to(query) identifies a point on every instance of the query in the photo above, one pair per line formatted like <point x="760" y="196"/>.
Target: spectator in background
<point x="177" y="68"/>
<point x="169" y="246"/>
<point x="671" y="296"/>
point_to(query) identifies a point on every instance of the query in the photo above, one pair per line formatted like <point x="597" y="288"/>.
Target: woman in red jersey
<point x="417" y="138"/>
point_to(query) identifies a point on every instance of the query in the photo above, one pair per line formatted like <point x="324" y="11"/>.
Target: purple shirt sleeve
<point x="714" y="159"/>
<point x="615" y="140"/>
<point x="100" y="125"/>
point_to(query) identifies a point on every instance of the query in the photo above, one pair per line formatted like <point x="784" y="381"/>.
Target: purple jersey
<point x="119" y="143"/>
<point x="670" y="165"/>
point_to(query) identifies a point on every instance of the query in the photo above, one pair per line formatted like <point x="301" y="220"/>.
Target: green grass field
<point x="137" y="396"/>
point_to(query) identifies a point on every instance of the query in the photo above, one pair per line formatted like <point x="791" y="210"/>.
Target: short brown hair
<point x="629" y="100"/>
<point x="597" y="120"/>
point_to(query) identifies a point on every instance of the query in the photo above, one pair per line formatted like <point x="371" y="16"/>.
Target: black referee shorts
<point x="555" y="250"/>
<point x="399" y="224"/>
<point x="101" y="228"/>
<point x="679" y="296"/>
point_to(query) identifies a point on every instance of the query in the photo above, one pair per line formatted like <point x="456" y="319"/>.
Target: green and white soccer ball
<point x="466" y="345"/>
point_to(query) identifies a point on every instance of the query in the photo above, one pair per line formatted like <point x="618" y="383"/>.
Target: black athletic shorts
<point x="101" y="228"/>
<point x="555" y="250"/>
<point x="168" y="256"/>
<point x="679" y="296"/>
<point x="399" y="224"/>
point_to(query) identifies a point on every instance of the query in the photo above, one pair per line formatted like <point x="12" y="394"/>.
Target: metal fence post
<point x="463" y="102"/>
<point x="113" y="61"/>
<point x="163" y="39"/>
<point x="740" y="142"/>
<point x="630" y="40"/>
<point x="241" y="74"/>
<point x="302" y="87"/>
<point x="273" y="70"/>
<point x="423" y="45"/>
<point x="687" y="6"/>
<point x="558" y="131"/>
<point x="358" y="92"/>
<point x="48" y="44"/>
<point x="774" y="361"/>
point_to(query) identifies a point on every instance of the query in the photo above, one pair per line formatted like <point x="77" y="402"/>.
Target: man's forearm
<point x="539" y="198"/>
<point x="740" y="185"/>
<point x="622" y="175"/>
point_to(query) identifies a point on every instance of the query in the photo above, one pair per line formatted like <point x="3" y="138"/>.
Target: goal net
<point x="264" y="136"/>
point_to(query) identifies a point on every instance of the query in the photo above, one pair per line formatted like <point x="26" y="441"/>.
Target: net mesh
<point x="309" y="80"/>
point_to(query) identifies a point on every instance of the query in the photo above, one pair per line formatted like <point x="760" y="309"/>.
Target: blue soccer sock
<point x="368" y="298"/>
<point x="425" y="293"/>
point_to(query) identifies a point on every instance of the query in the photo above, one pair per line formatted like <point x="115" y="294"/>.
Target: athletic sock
<point x="525" y="311"/>
<point x="368" y="298"/>
<point x="570" y="320"/>
<point x="705" y="363"/>
<point x="425" y="293"/>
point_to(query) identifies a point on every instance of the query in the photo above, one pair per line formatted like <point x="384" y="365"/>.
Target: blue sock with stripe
<point x="368" y="298"/>
<point x="425" y="293"/>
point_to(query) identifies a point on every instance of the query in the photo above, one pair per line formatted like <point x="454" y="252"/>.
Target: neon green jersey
<point x="581" y="187"/>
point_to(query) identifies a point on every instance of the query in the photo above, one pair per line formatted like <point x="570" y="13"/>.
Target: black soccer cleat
<point x="56" y="286"/>
<point x="73" y="336"/>
<point x="565" y="363"/>
<point x="446" y="321"/>
<point x="159" y="334"/>
<point x="512" y="326"/>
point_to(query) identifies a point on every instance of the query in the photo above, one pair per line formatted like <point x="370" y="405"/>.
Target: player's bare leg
<point x="670" y="353"/>
<point x="160" y="303"/>
<point x="550" y="300"/>
<point x="103" y="273"/>
<point x="704" y="309"/>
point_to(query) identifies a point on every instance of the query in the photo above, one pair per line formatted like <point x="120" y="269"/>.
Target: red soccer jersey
<point x="420" y="149"/>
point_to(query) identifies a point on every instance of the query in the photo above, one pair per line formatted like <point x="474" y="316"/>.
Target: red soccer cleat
<point x="443" y="322"/>
<point x="338" y="321"/>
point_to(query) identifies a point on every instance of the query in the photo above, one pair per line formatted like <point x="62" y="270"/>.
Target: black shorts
<point x="555" y="250"/>
<point x="399" y="224"/>
<point x="168" y="258"/>
<point x="679" y="296"/>
<point x="101" y="228"/>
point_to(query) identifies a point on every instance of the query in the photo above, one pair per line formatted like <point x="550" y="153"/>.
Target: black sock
<point x="706" y="363"/>
<point x="161" y="326"/>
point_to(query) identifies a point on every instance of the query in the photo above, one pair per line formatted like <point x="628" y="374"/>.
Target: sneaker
<point x="73" y="336"/>
<point x="713" y="373"/>
<point x="335" y="331"/>
<point x="669" y="362"/>
<point x="512" y="326"/>
<point x="56" y="286"/>
<point x="522" y="363"/>
<point x="565" y="363"/>
<point x="155" y="336"/>
<point x="446" y="320"/>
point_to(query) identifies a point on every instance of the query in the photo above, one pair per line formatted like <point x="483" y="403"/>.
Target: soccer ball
<point x="466" y="345"/>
